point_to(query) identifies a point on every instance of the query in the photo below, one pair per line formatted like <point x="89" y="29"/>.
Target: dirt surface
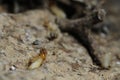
<point x="67" y="59"/>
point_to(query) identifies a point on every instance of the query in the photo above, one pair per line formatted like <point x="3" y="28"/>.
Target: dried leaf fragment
<point x="38" y="60"/>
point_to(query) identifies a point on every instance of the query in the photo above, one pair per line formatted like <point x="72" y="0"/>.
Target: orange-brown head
<point x="43" y="53"/>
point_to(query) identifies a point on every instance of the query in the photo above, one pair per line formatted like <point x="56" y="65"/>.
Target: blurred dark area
<point x="112" y="7"/>
<point x="15" y="6"/>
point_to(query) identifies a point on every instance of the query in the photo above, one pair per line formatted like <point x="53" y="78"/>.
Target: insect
<point x="38" y="60"/>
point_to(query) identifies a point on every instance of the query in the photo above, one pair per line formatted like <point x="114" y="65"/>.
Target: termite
<point x="38" y="60"/>
<point x="56" y="10"/>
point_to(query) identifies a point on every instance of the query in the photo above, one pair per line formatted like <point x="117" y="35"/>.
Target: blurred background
<point x="112" y="8"/>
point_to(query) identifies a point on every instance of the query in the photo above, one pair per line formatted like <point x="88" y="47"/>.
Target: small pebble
<point x="12" y="68"/>
<point x="36" y="42"/>
<point x="118" y="62"/>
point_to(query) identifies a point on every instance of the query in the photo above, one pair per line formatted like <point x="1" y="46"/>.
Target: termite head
<point x="43" y="53"/>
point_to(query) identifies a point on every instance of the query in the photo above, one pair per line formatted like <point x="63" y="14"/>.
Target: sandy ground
<point x="66" y="59"/>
